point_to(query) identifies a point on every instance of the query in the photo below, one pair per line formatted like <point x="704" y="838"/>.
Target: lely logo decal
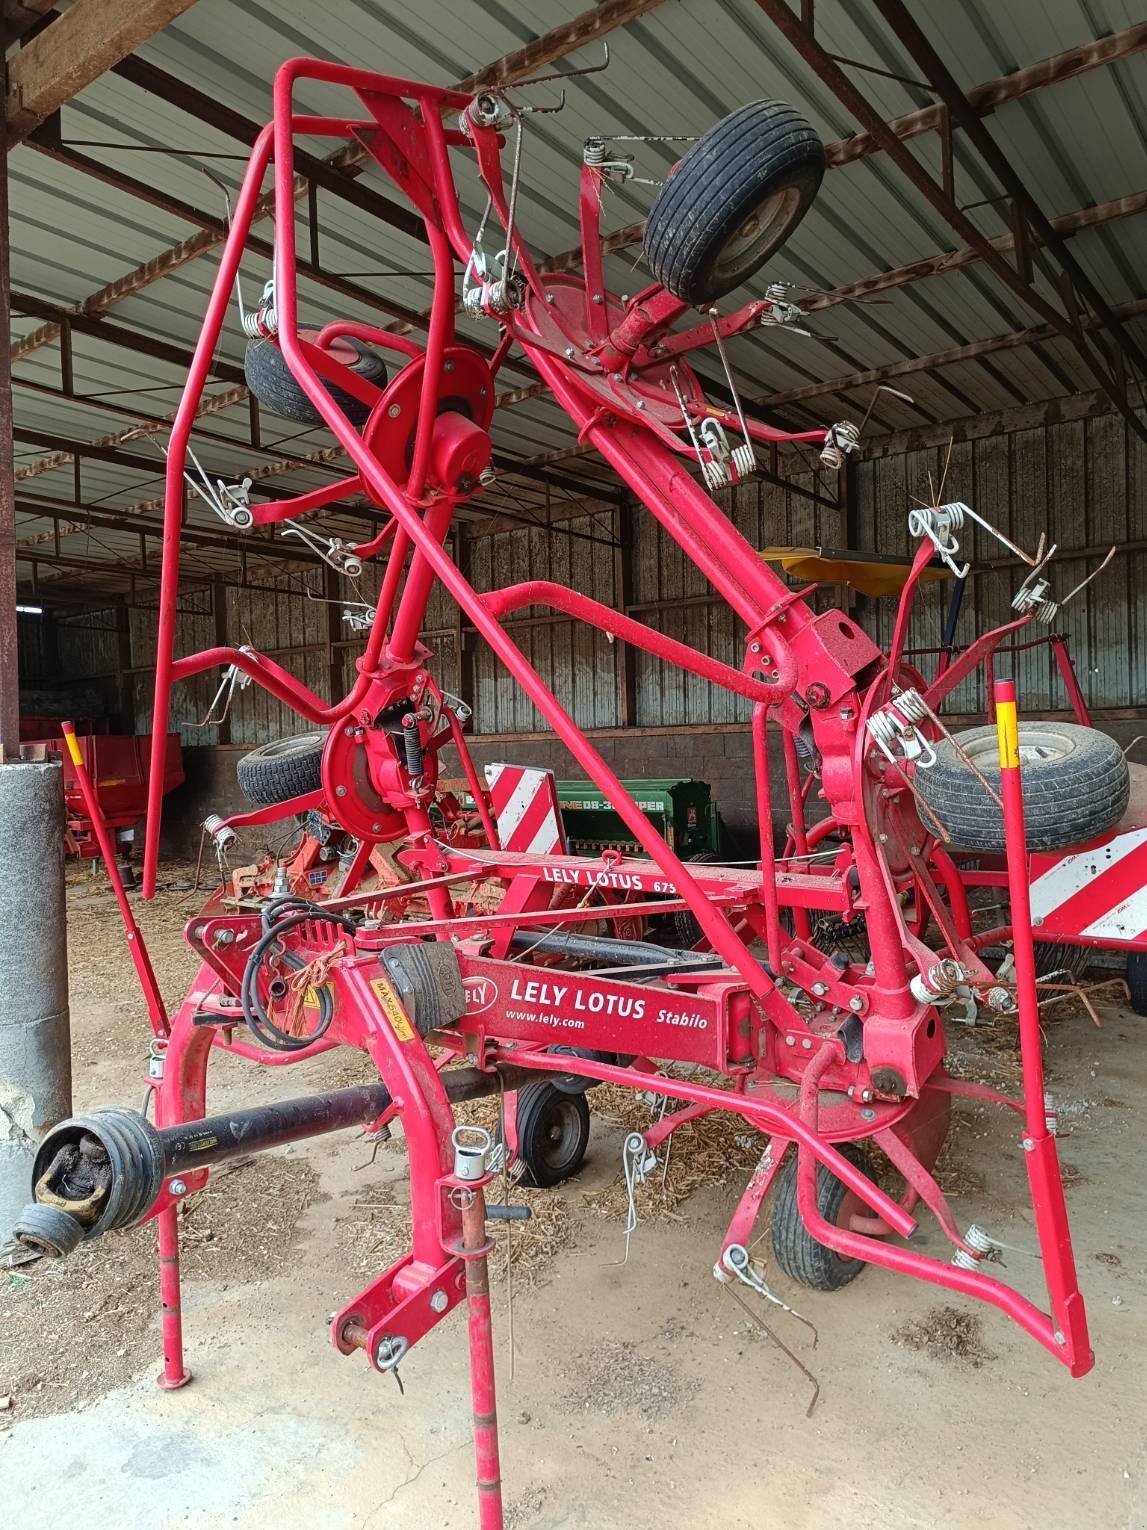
<point x="480" y="994"/>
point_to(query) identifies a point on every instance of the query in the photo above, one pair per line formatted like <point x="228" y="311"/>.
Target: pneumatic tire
<point x="686" y="930"/>
<point x="797" y="1252"/>
<point x="273" y="383"/>
<point x="733" y="200"/>
<point x="286" y="768"/>
<point x="553" y="1133"/>
<point x="1137" y="981"/>
<point x="1075" y="780"/>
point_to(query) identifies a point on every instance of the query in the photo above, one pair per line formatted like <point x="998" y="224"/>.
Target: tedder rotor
<point x="488" y="948"/>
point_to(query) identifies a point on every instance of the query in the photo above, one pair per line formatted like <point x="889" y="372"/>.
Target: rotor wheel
<point x="282" y="769"/>
<point x="1076" y="786"/>
<point x="733" y="200"/>
<point x="275" y="386"/>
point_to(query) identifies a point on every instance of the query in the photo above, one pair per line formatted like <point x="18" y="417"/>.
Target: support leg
<point x="475" y="1247"/>
<point x="173" y="1375"/>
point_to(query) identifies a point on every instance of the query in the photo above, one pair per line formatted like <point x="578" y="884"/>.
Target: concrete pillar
<point x="35" y="1038"/>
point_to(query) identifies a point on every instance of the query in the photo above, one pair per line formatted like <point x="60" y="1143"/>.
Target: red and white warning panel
<point x="1098" y="894"/>
<point x="525" y="804"/>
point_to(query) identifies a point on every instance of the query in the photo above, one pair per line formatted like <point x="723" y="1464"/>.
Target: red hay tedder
<point x="492" y="954"/>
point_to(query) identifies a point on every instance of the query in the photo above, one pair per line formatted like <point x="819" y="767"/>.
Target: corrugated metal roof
<point x="676" y="70"/>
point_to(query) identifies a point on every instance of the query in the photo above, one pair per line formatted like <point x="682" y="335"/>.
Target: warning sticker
<point x="392" y="1009"/>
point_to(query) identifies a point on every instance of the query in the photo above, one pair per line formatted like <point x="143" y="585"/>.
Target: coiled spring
<point x="840" y="440"/>
<point x="493" y="299"/>
<point x="260" y="323"/>
<point x="894" y="726"/>
<point x="740" y="464"/>
<point x="980" y="1245"/>
<point x="940" y="981"/>
<point x="594" y="152"/>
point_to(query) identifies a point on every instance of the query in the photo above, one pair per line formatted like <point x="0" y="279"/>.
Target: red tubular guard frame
<point x="817" y="672"/>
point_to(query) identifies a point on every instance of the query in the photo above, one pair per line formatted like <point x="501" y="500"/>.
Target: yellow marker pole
<point x="1041" y="1158"/>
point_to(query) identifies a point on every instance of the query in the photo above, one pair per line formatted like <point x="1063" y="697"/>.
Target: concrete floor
<point x="642" y="1395"/>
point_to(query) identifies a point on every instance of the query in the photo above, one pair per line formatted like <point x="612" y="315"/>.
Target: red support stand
<point x="174" y="1374"/>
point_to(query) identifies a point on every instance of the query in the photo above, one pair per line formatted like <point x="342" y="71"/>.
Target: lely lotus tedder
<point x="494" y="957"/>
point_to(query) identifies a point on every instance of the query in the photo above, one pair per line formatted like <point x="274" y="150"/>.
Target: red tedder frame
<point x="811" y="1049"/>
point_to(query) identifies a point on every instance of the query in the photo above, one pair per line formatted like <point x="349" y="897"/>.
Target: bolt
<point x="789" y="1040"/>
<point x="340" y="791"/>
<point x="178" y="1187"/>
<point x="549" y="297"/>
<point x="856" y="1003"/>
<point x="1029" y="1145"/>
<point x="820" y="989"/>
<point x="223" y="937"/>
<point x="915" y="850"/>
<point x="448" y="366"/>
<point x="569" y="353"/>
<point x="377" y="827"/>
<point x="807" y="1044"/>
<point x="641" y="404"/>
<point x="597" y="297"/>
<point x="439" y="1301"/>
<point x="754" y="647"/>
<point x="1058" y="1337"/>
<point x="884" y="839"/>
<point x="394" y="411"/>
<point x="866" y="1095"/>
<point x="868" y="1115"/>
<point x="617" y="377"/>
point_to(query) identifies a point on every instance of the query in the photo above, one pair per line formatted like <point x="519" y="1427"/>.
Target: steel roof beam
<point x="938" y="196"/>
<point x="984" y="99"/>
<point x="74" y="517"/>
<point x="970" y="352"/>
<point x="76" y="49"/>
<point x="598" y="21"/>
<point x="968" y="119"/>
<point x="115" y="334"/>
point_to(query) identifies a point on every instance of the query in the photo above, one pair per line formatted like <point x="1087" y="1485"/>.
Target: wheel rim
<point x="757" y="235"/>
<point x="559" y="1135"/>
<point x="1035" y="744"/>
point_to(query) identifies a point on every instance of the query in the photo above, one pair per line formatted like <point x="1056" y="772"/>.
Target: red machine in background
<point x="119" y="767"/>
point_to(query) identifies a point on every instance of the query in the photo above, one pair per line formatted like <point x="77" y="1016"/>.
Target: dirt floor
<point x="635" y="1393"/>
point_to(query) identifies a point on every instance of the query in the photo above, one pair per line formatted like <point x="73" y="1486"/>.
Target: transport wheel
<point x="1076" y="785"/>
<point x="733" y="200"/>
<point x="286" y="768"/>
<point x="1137" y="981"/>
<point x="797" y="1252"/>
<point x="553" y="1133"/>
<point x="686" y="930"/>
<point x="272" y="382"/>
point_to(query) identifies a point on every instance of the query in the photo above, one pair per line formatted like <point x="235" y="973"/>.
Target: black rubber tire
<point x="686" y="930"/>
<point x="1076" y="785"/>
<point x="271" y="381"/>
<point x="797" y="1252"/>
<point x="553" y="1133"/>
<point x="733" y="200"/>
<point x="1137" y="981"/>
<point x="286" y="768"/>
<point x="1070" y="961"/>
